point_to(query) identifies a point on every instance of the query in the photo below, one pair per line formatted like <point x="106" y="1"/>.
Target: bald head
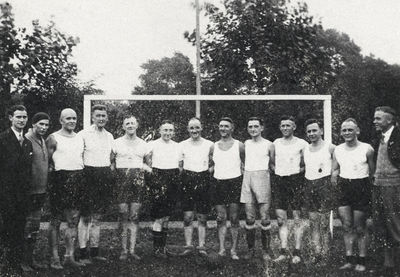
<point x="68" y="119"/>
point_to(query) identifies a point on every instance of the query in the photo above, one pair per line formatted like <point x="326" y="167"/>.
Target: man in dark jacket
<point x="15" y="175"/>
<point x="386" y="210"/>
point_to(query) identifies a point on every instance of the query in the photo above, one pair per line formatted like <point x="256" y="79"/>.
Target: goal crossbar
<point x="327" y="103"/>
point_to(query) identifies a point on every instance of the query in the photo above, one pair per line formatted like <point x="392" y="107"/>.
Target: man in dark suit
<point x="386" y="194"/>
<point x="15" y="175"/>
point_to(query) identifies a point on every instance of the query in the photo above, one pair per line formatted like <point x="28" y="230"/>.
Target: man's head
<point x="130" y="124"/>
<point x="68" y="119"/>
<point x="287" y="126"/>
<point x="255" y="126"/>
<point x="349" y="130"/>
<point x="194" y="128"/>
<point x="18" y="117"/>
<point x="384" y="118"/>
<point x="226" y="127"/>
<point x="167" y="130"/>
<point x="40" y="123"/>
<point x="99" y="115"/>
<point x="314" y="129"/>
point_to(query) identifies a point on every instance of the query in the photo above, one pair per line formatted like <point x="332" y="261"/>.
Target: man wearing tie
<point x="15" y="174"/>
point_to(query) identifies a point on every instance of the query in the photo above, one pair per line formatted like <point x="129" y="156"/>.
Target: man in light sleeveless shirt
<point x="289" y="182"/>
<point x="318" y="188"/>
<point x="97" y="195"/>
<point x="352" y="168"/>
<point x="164" y="185"/>
<point x="65" y="150"/>
<point x="256" y="186"/>
<point x="386" y="189"/>
<point x="131" y="160"/>
<point x="195" y="184"/>
<point x="228" y="157"/>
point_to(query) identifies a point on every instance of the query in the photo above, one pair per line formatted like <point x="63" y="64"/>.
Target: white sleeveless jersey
<point x="165" y="155"/>
<point x="353" y="164"/>
<point x="69" y="152"/>
<point x="129" y="154"/>
<point x="195" y="156"/>
<point x="318" y="164"/>
<point x="288" y="157"/>
<point x="257" y="155"/>
<point x="227" y="163"/>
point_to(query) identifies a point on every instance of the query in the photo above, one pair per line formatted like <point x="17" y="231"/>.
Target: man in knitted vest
<point x="386" y="212"/>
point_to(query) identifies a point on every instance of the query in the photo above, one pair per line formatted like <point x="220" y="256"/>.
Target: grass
<point x="195" y="265"/>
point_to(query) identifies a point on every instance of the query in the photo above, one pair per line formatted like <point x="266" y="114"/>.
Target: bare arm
<point x="242" y="154"/>
<point x="335" y="170"/>
<point x="371" y="163"/>
<point x="210" y="159"/>
<point x="272" y="157"/>
<point x="51" y="145"/>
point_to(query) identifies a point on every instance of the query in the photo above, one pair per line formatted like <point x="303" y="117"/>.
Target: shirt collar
<point x="388" y="133"/>
<point x="17" y="134"/>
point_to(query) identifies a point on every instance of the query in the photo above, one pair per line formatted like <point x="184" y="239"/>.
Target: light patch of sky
<point x="117" y="36"/>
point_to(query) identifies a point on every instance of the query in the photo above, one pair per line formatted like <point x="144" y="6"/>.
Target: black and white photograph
<point x="200" y="138"/>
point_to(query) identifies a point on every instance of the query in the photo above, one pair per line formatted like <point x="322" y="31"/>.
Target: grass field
<point x="197" y="266"/>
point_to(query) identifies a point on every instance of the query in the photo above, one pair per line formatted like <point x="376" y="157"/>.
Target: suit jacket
<point x="15" y="169"/>
<point x="393" y="147"/>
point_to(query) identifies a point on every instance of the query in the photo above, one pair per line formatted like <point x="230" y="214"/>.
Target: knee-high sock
<point x="251" y="238"/>
<point x="124" y="236"/>
<point x="133" y="227"/>
<point x="83" y="233"/>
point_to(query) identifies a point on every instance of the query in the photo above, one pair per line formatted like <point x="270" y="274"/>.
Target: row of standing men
<point x="81" y="166"/>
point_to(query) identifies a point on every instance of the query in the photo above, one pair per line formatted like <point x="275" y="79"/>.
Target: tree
<point x="259" y="47"/>
<point x="37" y="69"/>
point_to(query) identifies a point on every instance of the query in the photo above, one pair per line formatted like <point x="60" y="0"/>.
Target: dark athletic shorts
<point x="195" y="191"/>
<point x="355" y="193"/>
<point x="36" y="201"/>
<point x="65" y="191"/>
<point x="164" y="187"/>
<point x="318" y="195"/>
<point x="227" y="191"/>
<point x="98" y="190"/>
<point x="287" y="191"/>
<point x="129" y="187"/>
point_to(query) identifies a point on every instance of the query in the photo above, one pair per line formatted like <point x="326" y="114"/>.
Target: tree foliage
<point x="37" y="69"/>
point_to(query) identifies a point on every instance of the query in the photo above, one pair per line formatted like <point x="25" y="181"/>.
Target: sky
<point x="117" y="37"/>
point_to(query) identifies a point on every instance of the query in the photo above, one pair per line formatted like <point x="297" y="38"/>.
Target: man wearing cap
<point x="386" y="190"/>
<point x="15" y="174"/>
<point x="37" y="191"/>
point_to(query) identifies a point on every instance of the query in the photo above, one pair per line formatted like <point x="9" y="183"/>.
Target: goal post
<point x="326" y="99"/>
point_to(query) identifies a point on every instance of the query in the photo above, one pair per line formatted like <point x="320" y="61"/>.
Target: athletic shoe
<point x="26" y="268"/>
<point x="234" y="256"/>
<point x="55" y="263"/>
<point x="169" y="253"/>
<point x="296" y="256"/>
<point x="68" y="261"/>
<point x="37" y="265"/>
<point x="360" y="268"/>
<point x="268" y="255"/>
<point x="283" y="255"/>
<point x="134" y="256"/>
<point x="188" y="249"/>
<point x="346" y="266"/>
<point x="85" y="261"/>
<point x="202" y="251"/>
<point x="249" y="255"/>
<point x="123" y="256"/>
<point x="99" y="258"/>
<point x="222" y="253"/>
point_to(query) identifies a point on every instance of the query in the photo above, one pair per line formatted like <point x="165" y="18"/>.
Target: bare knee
<point x="187" y="220"/>
<point x="265" y="224"/>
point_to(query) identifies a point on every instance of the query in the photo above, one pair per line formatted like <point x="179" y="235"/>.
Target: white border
<point x="327" y="100"/>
